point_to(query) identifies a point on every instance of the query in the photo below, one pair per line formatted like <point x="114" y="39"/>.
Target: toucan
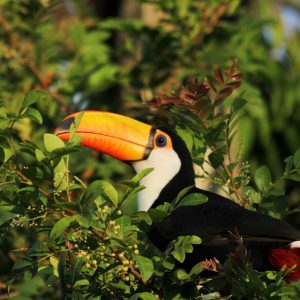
<point x="271" y="243"/>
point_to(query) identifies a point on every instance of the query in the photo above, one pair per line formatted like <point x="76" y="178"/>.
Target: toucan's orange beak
<point x="118" y="136"/>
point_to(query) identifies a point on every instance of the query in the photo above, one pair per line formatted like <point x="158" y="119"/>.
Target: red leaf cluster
<point x="202" y="97"/>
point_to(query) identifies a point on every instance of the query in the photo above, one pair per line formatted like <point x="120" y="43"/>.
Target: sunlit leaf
<point x="52" y="142"/>
<point x="32" y="114"/>
<point x="138" y="177"/>
<point x="262" y="178"/>
<point x="32" y="97"/>
<point x="60" y="227"/>
<point x="193" y="199"/>
<point x="145" y="266"/>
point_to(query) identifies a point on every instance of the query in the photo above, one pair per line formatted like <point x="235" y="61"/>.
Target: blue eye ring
<point x="161" y="140"/>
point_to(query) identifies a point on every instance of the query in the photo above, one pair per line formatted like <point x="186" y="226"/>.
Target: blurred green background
<point x="118" y="55"/>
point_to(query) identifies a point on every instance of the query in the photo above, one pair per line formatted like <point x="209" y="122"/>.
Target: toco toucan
<point x="272" y="243"/>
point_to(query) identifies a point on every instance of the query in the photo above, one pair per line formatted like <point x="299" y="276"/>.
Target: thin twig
<point x="233" y="185"/>
<point x="29" y="182"/>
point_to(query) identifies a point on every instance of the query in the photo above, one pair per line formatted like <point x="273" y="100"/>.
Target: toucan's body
<point x="219" y="222"/>
<point x="271" y="243"/>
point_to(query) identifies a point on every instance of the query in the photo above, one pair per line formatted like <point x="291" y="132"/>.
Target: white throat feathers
<point x="166" y="164"/>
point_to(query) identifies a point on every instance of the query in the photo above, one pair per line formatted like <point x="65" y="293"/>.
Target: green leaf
<point x="252" y="195"/>
<point x="135" y="191"/>
<point x="109" y="192"/>
<point x="146" y="296"/>
<point x="5" y="154"/>
<point x="262" y="178"/>
<point x="296" y="159"/>
<point x="32" y="97"/>
<point x="168" y="263"/>
<point x="138" y="177"/>
<point x="141" y="216"/>
<point x="179" y="254"/>
<point x="32" y="114"/>
<point x="181" y="274"/>
<point x="187" y="137"/>
<point x="60" y="152"/>
<point x="87" y="202"/>
<point x="183" y="245"/>
<point x="194" y="239"/>
<point x="271" y="275"/>
<point x="61" y="180"/>
<point x="211" y="296"/>
<point x="94" y="191"/>
<point x="120" y="286"/>
<point x="125" y="225"/>
<point x="38" y="248"/>
<point x="164" y="208"/>
<point x="54" y="263"/>
<point x="73" y="128"/>
<point x="197" y="269"/>
<point x="82" y="282"/>
<point x="276" y="192"/>
<point x="193" y="199"/>
<point x="39" y="154"/>
<point x="52" y="142"/>
<point x="23" y="265"/>
<point x="156" y="215"/>
<point x="216" y="159"/>
<point x="82" y="221"/>
<point x="76" y="266"/>
<point x="104" y="188"/>
<point x="289" y="163"/>
<point x="281" y="204"/>
<point x="60" y="227"/>
<point x="145" y="266"/>
<point x="294" y="177"/>
<point x="181" y="194"/>
<point x="238" y="104"/>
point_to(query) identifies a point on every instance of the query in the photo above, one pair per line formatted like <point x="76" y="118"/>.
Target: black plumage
<point x="217" y="221"/>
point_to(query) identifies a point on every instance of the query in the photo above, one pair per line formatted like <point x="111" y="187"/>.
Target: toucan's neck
<point x="184" y="178"/>
<point x="173" y="171"/>
<point x="166" y="165"/>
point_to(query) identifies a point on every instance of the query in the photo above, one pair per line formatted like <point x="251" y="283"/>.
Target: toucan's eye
<point x="161" y="140"/>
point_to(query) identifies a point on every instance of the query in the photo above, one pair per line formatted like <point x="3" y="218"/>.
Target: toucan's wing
<point x="214" y="220"/>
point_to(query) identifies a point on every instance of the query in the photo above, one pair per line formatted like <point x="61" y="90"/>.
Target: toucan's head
<point x="139" y="144"/>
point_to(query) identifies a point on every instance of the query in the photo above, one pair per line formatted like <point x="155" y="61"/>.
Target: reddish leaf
<point x="223" y="94"/>
<point x="234" y="85"/>
<point x="219" y="76"/>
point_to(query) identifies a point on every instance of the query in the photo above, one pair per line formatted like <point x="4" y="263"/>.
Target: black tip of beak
<point x="65" y="125"/>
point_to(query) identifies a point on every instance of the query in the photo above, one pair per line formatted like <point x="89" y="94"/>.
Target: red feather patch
<point x="279" y="258"/>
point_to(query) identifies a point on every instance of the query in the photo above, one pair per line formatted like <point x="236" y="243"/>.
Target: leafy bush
<point x="78" y="236"/>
